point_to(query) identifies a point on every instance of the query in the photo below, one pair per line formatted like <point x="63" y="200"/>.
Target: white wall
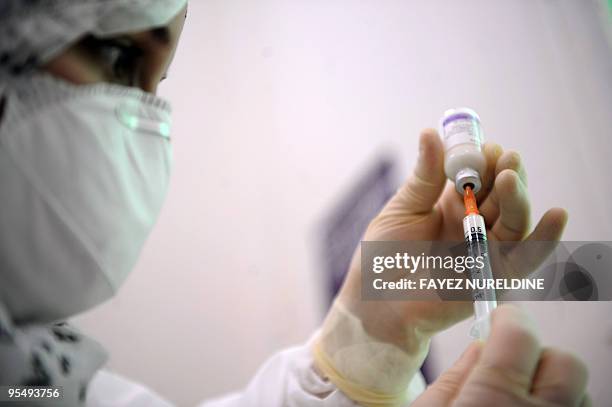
<point x="279" y="106"/>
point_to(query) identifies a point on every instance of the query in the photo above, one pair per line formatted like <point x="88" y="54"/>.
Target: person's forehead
<point x="161" y="36"/>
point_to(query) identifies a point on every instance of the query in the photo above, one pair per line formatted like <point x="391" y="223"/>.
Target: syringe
<point x="475" y="234"/>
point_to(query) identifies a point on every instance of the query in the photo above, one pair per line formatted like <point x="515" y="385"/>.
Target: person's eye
<point x="119" y="56"/>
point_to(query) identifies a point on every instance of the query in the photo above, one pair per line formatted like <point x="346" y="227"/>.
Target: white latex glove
<point x="372" y="349"/>
<point x="510" y="370"/>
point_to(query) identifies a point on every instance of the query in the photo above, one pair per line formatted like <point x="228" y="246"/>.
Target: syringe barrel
<point x="485" y="301"/>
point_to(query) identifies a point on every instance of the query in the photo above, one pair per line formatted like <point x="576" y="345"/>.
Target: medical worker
<point x="84" y="168"/>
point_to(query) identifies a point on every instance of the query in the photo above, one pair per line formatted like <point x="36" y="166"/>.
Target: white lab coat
<point x="287" y="379"/>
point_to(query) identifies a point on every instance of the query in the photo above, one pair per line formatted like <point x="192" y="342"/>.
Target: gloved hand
<point x="510" y="370"/>
<point x="372" y="349"/>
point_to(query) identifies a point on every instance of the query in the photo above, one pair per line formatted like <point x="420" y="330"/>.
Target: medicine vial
<point x="464" y="161"/>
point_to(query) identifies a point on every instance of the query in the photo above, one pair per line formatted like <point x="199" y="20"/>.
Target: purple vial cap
<point x="458" y="114"/>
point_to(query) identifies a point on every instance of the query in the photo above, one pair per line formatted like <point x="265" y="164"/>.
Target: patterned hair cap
<point x="34" y="31"/>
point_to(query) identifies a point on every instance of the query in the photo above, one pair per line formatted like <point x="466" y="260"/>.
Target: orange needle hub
<point x="469" y="199"/>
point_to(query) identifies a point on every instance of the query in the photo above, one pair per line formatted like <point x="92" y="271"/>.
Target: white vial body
<point x="464" y="162"/>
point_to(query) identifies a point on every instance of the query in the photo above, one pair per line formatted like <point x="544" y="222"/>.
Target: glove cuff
<point x="369" y="371"/>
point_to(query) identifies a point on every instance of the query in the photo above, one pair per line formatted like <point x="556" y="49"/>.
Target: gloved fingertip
<point x="431" y="152"/>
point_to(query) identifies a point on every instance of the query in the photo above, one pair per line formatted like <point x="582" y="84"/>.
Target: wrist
<point x="362" y="365"/>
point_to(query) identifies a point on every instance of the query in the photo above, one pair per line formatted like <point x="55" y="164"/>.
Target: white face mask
<point x="83" y="174"/>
